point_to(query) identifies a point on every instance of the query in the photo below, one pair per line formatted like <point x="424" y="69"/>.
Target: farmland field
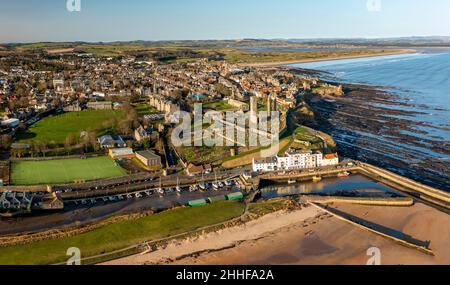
<point x="56" y="128"/>
<point x="63" y="171"/>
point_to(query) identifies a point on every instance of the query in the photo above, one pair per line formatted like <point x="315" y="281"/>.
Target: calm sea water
<point x="421" y="81"/>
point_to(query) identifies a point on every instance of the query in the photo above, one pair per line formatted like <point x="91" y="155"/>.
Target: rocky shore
<point x="373" y="125"/>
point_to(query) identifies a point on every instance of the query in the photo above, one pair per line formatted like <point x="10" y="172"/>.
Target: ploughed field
<point x="64" y="171"/>
<point x="56" y="128"/>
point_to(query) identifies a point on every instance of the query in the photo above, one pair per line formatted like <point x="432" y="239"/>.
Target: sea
<point x="420" y="83"/>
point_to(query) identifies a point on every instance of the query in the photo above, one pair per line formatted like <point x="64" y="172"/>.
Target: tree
<point x="147" y="143"/>
<point x="92" y="138"/>
<point x="70" y="141"/>
<point x="125" y="127"/>
<point x="43" y="147"/>
<point x="5" y="142"/>
<point x="20" y="152"/>
<point x="34" y="149"/>
<point x="133" y="119"/>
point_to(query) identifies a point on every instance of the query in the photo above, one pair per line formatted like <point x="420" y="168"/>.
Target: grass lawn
<point x="246" y="158"/>
<point x="219" y="106"/>
<point x="303" y="134"/>
<point x="267" y="207"/>
<point x="122" y="234"/>
<point x="57" y="127"/>
<point x="204" y="154"/>
<point x="144" y="109"/>
<point x="64" y="171"/>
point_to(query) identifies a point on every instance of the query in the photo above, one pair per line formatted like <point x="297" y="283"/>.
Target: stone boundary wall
<point x="54" y="158"/>
<point x="393" y="202"/>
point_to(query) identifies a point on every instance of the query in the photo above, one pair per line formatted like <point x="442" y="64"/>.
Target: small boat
<point x="178" y="189"/>
<point x="202" y="186"/>
<point x="292" y="181"/>
<point x="344" y="174"/>
<point x="229" y="183"/>
<point x="317" y="178"/>
<point x="160" y="191"/>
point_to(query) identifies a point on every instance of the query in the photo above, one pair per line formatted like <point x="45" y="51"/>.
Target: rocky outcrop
<point x="326" y="89"/>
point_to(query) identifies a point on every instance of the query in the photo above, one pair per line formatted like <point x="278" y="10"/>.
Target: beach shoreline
<point x="309" y="236"/>
<point x="284" y="63"/>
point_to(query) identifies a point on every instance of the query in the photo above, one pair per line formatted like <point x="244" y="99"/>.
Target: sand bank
<point x="227" y="238"/>
<point x="281" y="63"/>
<point x="308" y="236"/>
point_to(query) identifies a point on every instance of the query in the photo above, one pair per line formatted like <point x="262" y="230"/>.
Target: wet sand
<point x="282" y="63"/>
<point x="301" y="237"/>
<point x="226" y="238"/>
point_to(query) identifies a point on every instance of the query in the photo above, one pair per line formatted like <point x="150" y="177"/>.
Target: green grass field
<point x="122" y="234"/>
<point x="145" y="109"/>
<point x="64" y="171"/>
<point x="57" y="127"/>
<point x="219" y="106"/>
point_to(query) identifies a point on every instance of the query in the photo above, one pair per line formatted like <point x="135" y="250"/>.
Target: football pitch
<point x="64" y="171"/>
<point x="56" y="128"/>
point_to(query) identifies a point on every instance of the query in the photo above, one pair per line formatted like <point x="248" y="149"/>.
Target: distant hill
<point x="402" y="41"/>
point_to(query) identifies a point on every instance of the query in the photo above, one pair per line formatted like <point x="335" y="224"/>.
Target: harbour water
<point x="408" y="131"/>
<point x="357" y="185"/>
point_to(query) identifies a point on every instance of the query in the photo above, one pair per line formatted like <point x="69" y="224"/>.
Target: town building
<point x="238" y="104"/>
<point x="110" y="141"/>
<point x="295" y="160"/>
<point x="330" y="159"/>
<point x="149" y="159"/>
<point x="193" y="170"/>
<point x="265" y="164"/>
<point x="106" y="105"/>
<point x="140" y="134"/>
<point x="121" y="153"/>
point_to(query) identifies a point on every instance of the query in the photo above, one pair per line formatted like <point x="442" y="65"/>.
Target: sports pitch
<point x="56" y="128"/>
<point x="64" y="171"/>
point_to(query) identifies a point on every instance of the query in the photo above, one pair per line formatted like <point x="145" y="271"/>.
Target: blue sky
<point x="111" y="20"/>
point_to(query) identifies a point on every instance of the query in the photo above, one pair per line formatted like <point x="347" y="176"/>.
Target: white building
<point x="265" y="164"/>
<point x="330" y="159"/>
<point x="295" y="160"/>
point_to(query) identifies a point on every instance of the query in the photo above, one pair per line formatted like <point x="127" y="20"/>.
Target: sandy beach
<point x="282" y="63"/>
<point x="308" y="236"/>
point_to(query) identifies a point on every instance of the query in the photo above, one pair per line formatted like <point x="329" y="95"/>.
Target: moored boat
<point x="343" y="174"/>
<point x="317" y="179"/>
